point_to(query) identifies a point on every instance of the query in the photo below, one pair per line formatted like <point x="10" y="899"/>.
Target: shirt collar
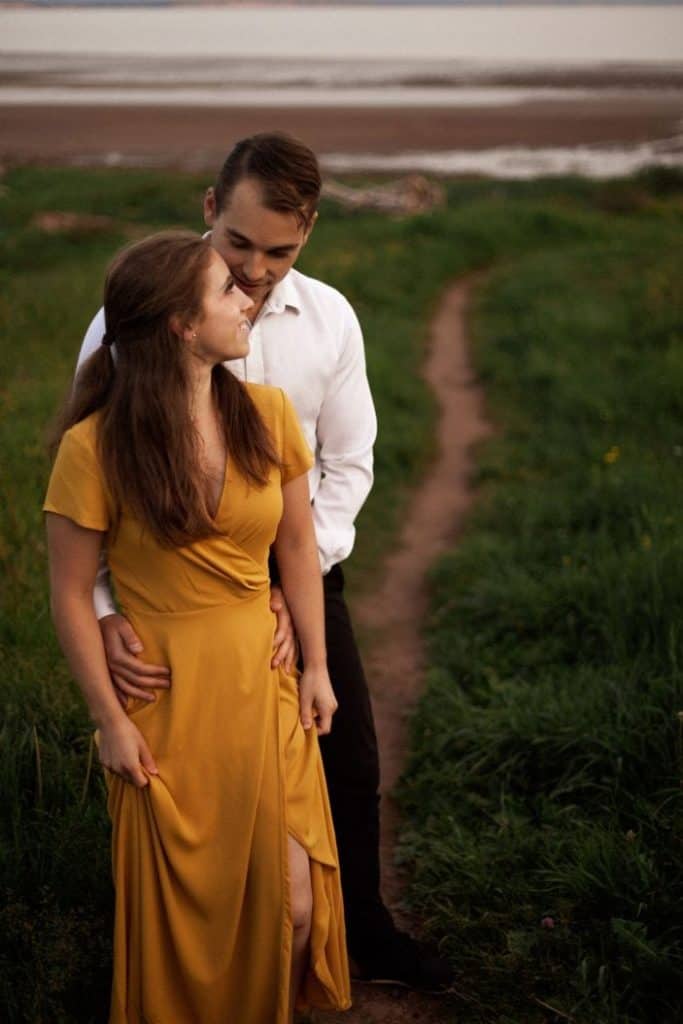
<point x="285" y="295"/>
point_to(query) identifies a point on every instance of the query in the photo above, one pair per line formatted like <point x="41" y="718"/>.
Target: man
<point x="306" y="339"/>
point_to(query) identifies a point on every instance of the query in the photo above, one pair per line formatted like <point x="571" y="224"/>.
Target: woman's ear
<point x="181" y="328"/>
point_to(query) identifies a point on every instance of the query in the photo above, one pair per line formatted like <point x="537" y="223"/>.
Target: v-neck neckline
<point x="214" y="516"/>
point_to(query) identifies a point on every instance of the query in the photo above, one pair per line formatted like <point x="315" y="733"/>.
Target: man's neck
<point x="256" y="310"/>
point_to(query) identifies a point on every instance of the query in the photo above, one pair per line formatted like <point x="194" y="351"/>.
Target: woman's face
<point x="222" y="330"/>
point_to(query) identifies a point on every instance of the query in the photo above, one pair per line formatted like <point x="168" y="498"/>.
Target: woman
<point x="228" y="905"/>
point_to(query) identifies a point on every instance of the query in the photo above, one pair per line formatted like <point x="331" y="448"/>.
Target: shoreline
<point x="82" y="72"/>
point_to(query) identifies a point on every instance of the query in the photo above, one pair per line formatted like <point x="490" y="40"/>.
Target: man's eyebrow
<point x="236" y="234"/>
<point x="286" y="246"/>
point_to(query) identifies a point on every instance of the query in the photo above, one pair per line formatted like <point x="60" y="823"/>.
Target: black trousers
<point x="351" y="763"/>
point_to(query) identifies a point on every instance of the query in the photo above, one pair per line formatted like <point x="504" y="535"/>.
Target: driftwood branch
<point x="409" y="195"/>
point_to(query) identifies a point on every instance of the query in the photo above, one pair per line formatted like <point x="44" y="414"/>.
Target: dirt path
<point x="393" y="615"/>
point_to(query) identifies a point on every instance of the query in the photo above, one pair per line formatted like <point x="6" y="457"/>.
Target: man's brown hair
<point x="148" y="444"/>
<point x="285" y="168"/>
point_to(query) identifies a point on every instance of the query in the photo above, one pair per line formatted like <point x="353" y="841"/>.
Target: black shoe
<point x="400" y="960"/>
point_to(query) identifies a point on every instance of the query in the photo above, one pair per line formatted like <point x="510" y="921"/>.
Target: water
<point x="515" y="163"/>
<point x="542" y="35"/>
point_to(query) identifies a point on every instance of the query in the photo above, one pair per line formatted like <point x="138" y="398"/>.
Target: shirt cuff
<point x="333" y="548"/>
<point x="103" y="602"/>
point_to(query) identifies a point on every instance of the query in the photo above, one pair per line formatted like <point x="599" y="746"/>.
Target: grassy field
<point x="543" y="798"/>
<point x="543" y="776"/>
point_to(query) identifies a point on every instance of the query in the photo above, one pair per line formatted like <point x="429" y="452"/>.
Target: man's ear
<point x="309" y="228"/>
<point x="209" y="207"/>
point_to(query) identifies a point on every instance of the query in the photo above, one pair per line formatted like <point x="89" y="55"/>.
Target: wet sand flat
<point x="190" y="137"/>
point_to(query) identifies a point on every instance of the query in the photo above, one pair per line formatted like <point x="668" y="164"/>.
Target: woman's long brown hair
<point x="148" y="444"/>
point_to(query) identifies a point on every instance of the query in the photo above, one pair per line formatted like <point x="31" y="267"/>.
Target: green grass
<point x="548" y="714"/>
<point x="545" y="775"/>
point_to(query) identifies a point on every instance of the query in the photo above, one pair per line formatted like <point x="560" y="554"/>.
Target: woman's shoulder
<point x="79" y="444"/>
<point x="84" y="433"/>
<point x="76" y="489"/>
<point x="267" y="399"/>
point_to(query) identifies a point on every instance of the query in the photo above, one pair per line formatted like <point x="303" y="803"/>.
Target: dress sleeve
<point x="76" y="488"/>
<point x="296" y="455"/>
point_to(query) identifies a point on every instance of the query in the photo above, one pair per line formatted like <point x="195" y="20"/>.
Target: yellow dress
<point x="203" y="930"/>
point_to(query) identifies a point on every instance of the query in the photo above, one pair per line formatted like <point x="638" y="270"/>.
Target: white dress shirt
<point x="307" y="340"/>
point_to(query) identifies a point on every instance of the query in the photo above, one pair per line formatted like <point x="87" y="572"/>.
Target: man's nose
<point x="254" y="266"/>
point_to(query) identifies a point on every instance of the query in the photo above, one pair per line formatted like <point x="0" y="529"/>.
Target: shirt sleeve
<point x="346" y="432"/>
<point x="93" y="338"/>
<point x="103" y="599"/>
<point x="296" y="456"/>
<point x="76" y="488"/>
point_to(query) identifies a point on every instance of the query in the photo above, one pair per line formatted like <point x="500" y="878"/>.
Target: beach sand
<point x="198" y="138"/>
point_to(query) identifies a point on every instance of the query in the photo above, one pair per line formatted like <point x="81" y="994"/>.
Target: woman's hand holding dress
<point x="296" y="551"/>
<point x="317" y="702"/>
<point x="124" y="752"/>
<point x="74" y="556"/>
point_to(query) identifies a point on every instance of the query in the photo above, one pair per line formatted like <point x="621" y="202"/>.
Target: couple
<point x="228" y="904"/>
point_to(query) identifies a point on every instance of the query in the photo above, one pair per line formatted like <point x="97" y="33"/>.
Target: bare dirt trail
<point x="393" y="615"/>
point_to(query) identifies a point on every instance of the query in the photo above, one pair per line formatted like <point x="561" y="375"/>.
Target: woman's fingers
<point x="146" y="759"/>
<point x="305" y="702"/>
<point x="317" y="701"/>
<point x="124" y="751"/>
<point x="325" y="711"/>
<point x="133" y="773"/>
<point x="137" y="777"/>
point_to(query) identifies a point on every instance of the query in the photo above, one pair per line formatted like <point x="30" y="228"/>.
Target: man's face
<point x="259" y="245"/>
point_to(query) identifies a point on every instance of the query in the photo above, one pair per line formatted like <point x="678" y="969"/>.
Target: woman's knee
<point x="301" y="908"/>
<point x="300" y="893"/>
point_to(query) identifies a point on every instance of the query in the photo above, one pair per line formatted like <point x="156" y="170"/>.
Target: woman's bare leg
<point x="301" y="899"/>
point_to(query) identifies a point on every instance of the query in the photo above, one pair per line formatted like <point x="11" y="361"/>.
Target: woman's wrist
<point x="109" y="717"/>
<point x="315" y="663"/>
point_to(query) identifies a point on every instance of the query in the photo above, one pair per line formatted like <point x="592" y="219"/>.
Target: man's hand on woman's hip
<point x="285" y="647"/>
<point x="131" y="676"/>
